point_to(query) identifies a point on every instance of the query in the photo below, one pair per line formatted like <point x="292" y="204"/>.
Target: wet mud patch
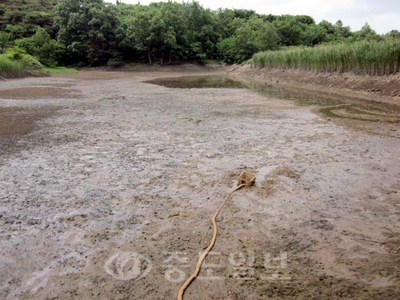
<point x="350" y="107"/>
<point x="96" y="75"/>
<point x="39" y="93"/>
<point x="300" y="96"/>
<point x="355" y="112"/>
<point x="15" y="121"/>
<point x="62" y="85"/>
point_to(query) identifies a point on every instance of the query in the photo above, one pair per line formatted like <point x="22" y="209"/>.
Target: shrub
<point x="28" y="61"/>
<point x="5" y="41"/>
<point x="115" y="62"/>
<point x="15" y="53"/>
<point x="17" y="63"/>
<point x="40" y="45"/>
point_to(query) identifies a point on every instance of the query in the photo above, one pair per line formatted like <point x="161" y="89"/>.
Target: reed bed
<point x="372" y="58"/>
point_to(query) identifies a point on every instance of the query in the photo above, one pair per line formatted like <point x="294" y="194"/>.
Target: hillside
<point x="22" y="17"/>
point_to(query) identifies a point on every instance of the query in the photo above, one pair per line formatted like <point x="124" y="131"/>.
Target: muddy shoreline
<point x="381" y="88"/>
<point x="111" y="176"/>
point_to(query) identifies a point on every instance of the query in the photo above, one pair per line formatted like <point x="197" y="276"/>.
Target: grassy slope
<point x="15" y="69"/>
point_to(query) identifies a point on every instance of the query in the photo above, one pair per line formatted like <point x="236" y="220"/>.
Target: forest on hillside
<point x="94" y="32"/>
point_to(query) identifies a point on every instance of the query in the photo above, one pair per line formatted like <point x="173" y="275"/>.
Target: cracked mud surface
<point x="128" y="167"/>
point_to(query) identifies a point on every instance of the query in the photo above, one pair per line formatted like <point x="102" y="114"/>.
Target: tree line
<point x="93" y="32"/>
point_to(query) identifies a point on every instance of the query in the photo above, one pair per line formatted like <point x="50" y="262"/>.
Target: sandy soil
<point x="109" y="195"/>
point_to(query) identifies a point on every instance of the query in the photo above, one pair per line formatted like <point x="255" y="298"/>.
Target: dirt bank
<point x="111" y="196"/>
<point x="369" y="86"/>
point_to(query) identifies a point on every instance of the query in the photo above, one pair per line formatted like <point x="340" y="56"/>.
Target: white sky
<point x="382" y="15"/>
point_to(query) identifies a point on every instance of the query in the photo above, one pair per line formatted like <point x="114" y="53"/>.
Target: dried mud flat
<point x="108" y="194"/>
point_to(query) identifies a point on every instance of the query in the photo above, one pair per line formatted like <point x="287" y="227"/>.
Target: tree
<point x="169" y="30"/>
<point x="335" y="32"/>
<point x="314" y="35"/>
<point x="254" y="36"/>
<point x="291" y="29"/>
<point x="245" y="14"/>
<point x="328" y="27"/>
<point x="204" y="31"/>
<point x="137" y="27"/>
<point x="366" y="33"/>
<point x="307" y="20"/>
<point x="90" y="29"/>
<point x="394" y="34"/>
<point x="160" y="30"/>
<point x="342" y="32"/>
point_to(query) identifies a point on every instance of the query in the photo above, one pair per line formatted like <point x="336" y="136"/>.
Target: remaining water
<point x="189" y="82"/>
<point x="332" y="105"/>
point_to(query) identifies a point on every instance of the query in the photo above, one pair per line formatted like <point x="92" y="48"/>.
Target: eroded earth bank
<point x="108" y="185"/>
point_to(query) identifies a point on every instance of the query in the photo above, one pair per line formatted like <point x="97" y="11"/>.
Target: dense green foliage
<point x="252" y="36"/>
<point x="93" y="32"/>
<point x="157" y="30"/>
<point x="40" y="45"/>
<point x="366" y="57"/>
<point x="89" y="29"/>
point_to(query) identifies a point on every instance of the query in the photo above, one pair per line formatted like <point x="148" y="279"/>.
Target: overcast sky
<point x="382" y="15"/>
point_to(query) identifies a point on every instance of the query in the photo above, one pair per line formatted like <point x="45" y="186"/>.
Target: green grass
<point x="372" y="58"/>
<point x="60" y="70"/>
<point x="11" y="69"/>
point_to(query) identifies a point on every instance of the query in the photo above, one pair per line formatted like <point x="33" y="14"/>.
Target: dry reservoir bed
<point x="108" y="189"/>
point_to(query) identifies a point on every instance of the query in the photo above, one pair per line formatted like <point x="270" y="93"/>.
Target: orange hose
<point x="212" y="243"/>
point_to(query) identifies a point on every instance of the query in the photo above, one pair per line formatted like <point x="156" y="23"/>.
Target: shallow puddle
<point x="189" y="82"/>
<point x="332" y="105"/>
